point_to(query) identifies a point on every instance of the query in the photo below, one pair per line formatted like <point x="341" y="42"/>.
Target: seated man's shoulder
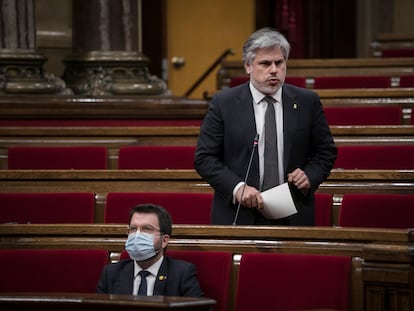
<point x="120" y="265"/>
<point x="179" y="264"/>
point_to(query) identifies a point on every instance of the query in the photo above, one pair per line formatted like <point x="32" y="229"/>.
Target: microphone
<point x="255" y="143"/>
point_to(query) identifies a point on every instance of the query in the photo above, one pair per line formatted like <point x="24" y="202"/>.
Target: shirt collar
<point x="153" y="269"/>
<point x="258" y="96"/>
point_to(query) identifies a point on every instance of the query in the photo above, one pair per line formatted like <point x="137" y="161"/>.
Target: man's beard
<point x="266" y="89"/>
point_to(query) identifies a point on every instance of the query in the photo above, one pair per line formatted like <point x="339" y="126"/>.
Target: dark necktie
<point x="271" y="170"/>
<point x="143" y="285"/>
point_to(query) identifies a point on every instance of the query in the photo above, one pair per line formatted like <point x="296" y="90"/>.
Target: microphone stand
<point x="255" y="142"/>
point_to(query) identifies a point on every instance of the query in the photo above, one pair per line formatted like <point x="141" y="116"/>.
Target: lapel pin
<point x="295" y="106"/>
<point x="162" y="277"/>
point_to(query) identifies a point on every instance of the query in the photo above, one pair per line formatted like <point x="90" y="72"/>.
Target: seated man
<point x="149" y="272"/>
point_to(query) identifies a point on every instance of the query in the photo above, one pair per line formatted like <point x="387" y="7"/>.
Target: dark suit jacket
<point x="226" y="141"/>
<point x="175" y="278"/>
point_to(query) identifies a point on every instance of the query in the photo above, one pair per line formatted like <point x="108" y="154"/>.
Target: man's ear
<point x="247" y="68"/>
<point x="165" y="240"/>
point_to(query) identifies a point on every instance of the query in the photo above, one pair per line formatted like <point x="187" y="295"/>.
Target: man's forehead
<point x="147" y="218"/>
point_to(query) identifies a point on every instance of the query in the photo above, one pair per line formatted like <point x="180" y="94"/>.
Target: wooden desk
<point x="382" y="259"/>
<point x="114" y="137"/>
<point x="340" y="181"/>
<point x="98" y="302"/>
<point x="309" y="68"/>
<point x="107" y="107"/>
<point x="43" y="107"/>
<point x="101" y="182"/>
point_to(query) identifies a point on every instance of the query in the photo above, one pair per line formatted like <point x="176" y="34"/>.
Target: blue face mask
<point x="140" y="246"/>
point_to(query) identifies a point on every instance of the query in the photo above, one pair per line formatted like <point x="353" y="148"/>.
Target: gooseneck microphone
<point x="255" y="143"/>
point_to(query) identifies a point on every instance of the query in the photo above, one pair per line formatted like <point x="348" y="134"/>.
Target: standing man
<point x="149" y="272"/>
<point x="303" y="148"/>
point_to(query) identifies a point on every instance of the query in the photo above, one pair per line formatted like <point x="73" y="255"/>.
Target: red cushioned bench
<point x="51" y="270"/>
<point x="47" y="208"/>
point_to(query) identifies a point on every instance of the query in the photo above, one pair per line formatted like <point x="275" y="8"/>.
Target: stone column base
<point x="98" y="73"/>
<point x="21" y="72"/>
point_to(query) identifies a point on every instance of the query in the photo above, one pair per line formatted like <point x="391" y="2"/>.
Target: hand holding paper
<point x="278" y="202"/>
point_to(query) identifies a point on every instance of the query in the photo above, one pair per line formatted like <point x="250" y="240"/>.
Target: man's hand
<point x="300" y="180"/>
<point x="251" y="197"/>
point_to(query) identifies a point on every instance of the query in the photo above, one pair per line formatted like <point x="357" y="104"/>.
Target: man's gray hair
<point x="262" y="39"/>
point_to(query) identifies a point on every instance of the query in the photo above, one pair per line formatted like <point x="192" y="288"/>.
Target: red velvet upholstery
<point x="397" y="53"/>
<point x="377" y="210"/>
<point x="156" y="157"/>
<point x="47" y="208"/>
<point x="298" y="81"/>
<point x="368" y="115"/>
<point x="213" y="271"/>
<point x="412" y="116"/>
<point x="184" y="208"/>
<point x="234" y="81"/>
<point x="387" y="157"/>
<point x="66" y="157"/>
<point x="339" y="82"/>
<point x="407" y="81"/>
<point x="293" y="282"/>
<point x="51" y="270"/>
<point x="323" y="209"/>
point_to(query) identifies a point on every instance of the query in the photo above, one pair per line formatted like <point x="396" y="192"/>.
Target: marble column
<point x="105" y="57"/>
<point x="21" y="65"/>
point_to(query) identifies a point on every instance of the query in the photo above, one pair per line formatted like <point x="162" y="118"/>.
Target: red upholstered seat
<point x="377" y="210"/>
<point x="397" y="53"/>
<point x="234" y="81"/>
<point x="298" y="81"/>
<point x="368" y="115"/>
<point x="339" y="82"/>
<point x="62" y="157"/>
<point x="412" y="116"/>
<point x="51" y="270"/>
<point x="213" y="272"/>
<point x="184" y="208"/>
<point x="47" y="208"/>
<point x="387" y="157"/>
<point x="407" y="81"/>
<point x="323" y="209"/>
<point x="156" y="157"/>
<point x="293" y="282"/>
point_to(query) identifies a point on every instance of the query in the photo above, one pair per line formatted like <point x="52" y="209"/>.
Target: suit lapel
<point x="290" y="121"/>
<point x="161" y="279"/>
<point x="244" y="103"/>
<point x="247" y="121"/>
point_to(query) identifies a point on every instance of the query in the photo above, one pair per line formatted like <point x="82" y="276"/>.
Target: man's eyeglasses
<point x="145" y="229"/>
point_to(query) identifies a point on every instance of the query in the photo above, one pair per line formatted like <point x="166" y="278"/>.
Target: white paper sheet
<point x="278" y="202"/>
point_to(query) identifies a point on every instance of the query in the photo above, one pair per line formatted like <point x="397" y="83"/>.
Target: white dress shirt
<point x="150" y="278"/>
